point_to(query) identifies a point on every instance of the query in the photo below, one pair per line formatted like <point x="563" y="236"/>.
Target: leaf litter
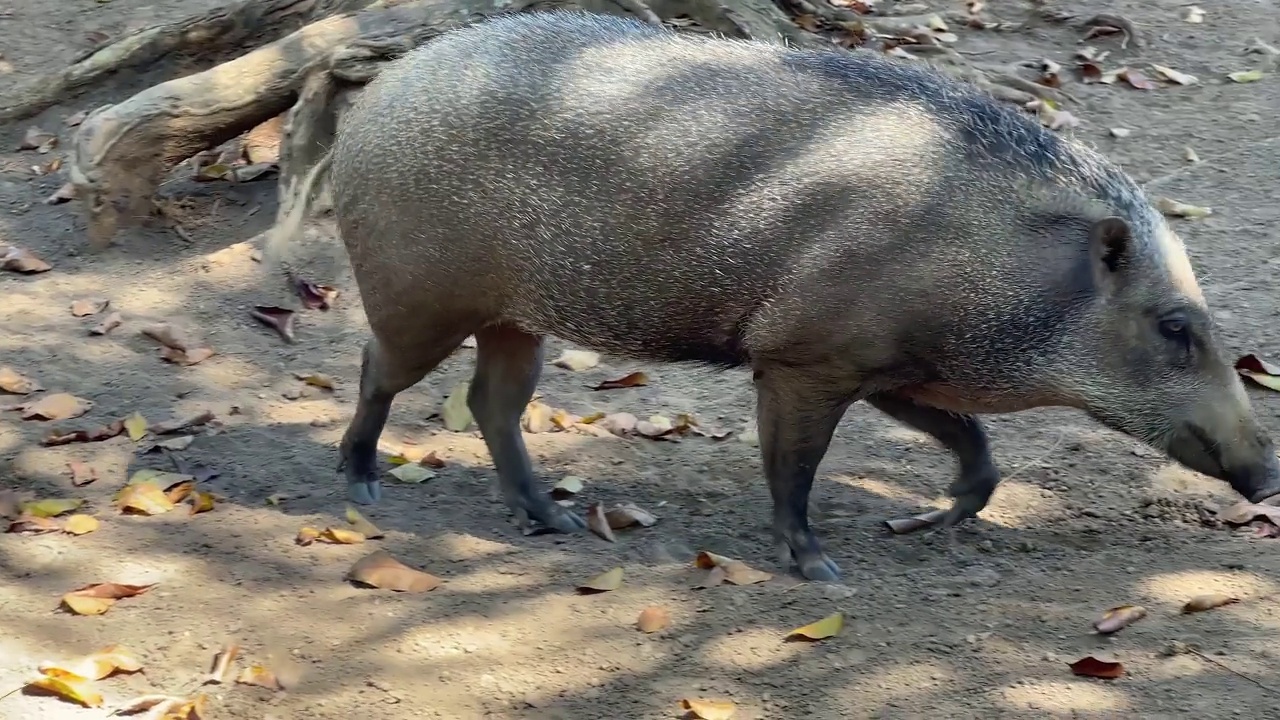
<point x="98" y="598"/>
<point x="380" y="570"/>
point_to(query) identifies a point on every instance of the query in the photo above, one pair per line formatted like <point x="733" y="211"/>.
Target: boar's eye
<point x="1174" y="327"/>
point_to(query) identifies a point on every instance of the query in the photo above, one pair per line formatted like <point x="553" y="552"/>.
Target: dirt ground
<point x="1087" y="520"/>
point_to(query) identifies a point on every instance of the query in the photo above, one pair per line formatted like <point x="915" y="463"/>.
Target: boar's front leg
<point x="964" y="437"/>
<point x="508" y="364"/>
<point x="797" y="411"/>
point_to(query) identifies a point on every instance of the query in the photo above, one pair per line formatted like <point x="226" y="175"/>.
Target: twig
<point x="1231" y="670"/>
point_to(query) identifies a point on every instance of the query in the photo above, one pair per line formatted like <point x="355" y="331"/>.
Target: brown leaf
<point x="167" y="335"/>
<point x="598" y="524"/>
<point x="1136" y="79"/>
<point x="109" y="323"/>
<point x="635" y="379"/>
<point x="260" y="676"/>
<point x="629" y="514"/>
<point x="88" y="306"/>
<point x="314" y="297"/>
<point x="222" y="664"/>
<point x="1099" y="667"/>
<point x="1259" y="371"/>
<point x="34" y="525"/>
<point x="189" y="356"/>
<point x="432" y="461"/>
<point x="735" y="571"/>
<point x="378" y="569"/>
<point x="653" y="618"/>
<point x="902" y="526"/>
<point x="1209" y="601"/>
<point x="1090" y="72"/>
<point x="19" y="260"/>
<point x="58" y="406"/>
<point x="66" y="193"/>
<point x="709" y="709"/>
<point x="1118" y="618"/>
<point x="98" y="598"/>
<point x="98" y="434"/>
<point x="37" y="139"/>
<point x="277" y="318"/>
<point x="1243" y="513"/>
<point x="16" y="384"/>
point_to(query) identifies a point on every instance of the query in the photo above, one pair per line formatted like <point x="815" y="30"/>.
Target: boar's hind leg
<point x="797" y="416"/>
<point x="508" y="363"/>
<point x="962" y="435"/>
<point x="383" y="374"/>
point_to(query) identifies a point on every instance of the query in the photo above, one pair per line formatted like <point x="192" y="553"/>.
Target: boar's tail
<point x="295" y="202"/>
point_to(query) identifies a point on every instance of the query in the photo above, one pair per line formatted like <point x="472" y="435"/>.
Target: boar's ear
<point x="1110" y="245"/>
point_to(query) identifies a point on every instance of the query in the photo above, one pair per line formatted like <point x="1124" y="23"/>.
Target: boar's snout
<point x="1241" y="453"/>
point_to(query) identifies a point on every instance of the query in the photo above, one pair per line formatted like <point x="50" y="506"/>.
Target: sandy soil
<point x="1087" y="520"/>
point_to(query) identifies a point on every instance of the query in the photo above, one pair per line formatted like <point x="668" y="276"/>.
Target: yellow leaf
<point x="260" y="676"/>
<point x="51" y="508"/>
<point x="80" y="524"/>
<point x="1200" y="603"/>
<point x="85" y="605"/>
<point x="456" y="414"/>
<point x="307" y="535"/>
<point x="136" y="425"/>
<point x="399" y="459"/>
<point x="709" y="709"/>
<point x="179" y="491"/>
<point x="319" y="380"/>
<point x="76" y="689"/>
<point x="611" y="580"/>
<point x="362" y="525"/>
<point x="201" y="502"/>
<point x="824" y="628"/>
<point x="1245" y="76"/>
<point x="96" y="666"/>
<point x="339" y="536"/>
<point x="146" y="498"/>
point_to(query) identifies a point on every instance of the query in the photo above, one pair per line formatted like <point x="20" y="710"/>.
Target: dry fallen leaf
<point x="1209" y="601"/>
<point x="178" y="348"/>
<point x="82" y="473"/>
<point x="566" y="487"/>
<point x="653" y="618"/>
<point x="1097" y="666"/>
<point x="80" y="524"/>
<point x="20" y="260"/>
<point x="431" y="460"/>
<point x="635" y="379"/>
<point x="1173" y="208"/>
<point x="183" y="423"/>
<point x="709" y="709"/>
<point x="16" y="384"/>
<point x="820" y="629"/>
<point x="1194" y="15"/>
<point x="165" y="707"/>
<point x="1259" y="371"/>
<point x="1136" y="79"/>
<point x="314" y="297"/>
<point x="109" y="323"/>
<point x="362" y="525"/>
<point x="64" y="437"/>
<point x="277" y="318"/>
<point x="378" y="569"/>
<point x="628" y="514"/>
<point x="1245" y="76"/>
<point x="536" y="417"/>
<point x="604" y="582"/>
<point x="58" y="406"/>
<point x="76" y="689"/>
<point x="411" y="473"/>
<point x="33" y="525"/>
<point x="1172" y="75"/>
<point x="456" y="414"/>
<point x="222" y="664"/>
<point x="65" y="193"/>
<point x="1243" y="513"/>
<point x="597" y="523"/>
<point x="38" y="139"/>
<point x="180" y="491"/>
<point x="307" y="535"/>
<point x="190" y="356"/>
<point x="618" y="423"/>
<point x="340" y="536"/>
<point x="577" y="360"/>
<point x="52" y="507"/>
<point x="98" y="598"/>
<point x="735" y="571"/>
<point x="146" y="498"/>
<point x="201" y="502"/>
<point x="136" y="426"/>
<point x="1118" y="618"/>
<point x="902" y="526"/>
<point x="319" y="380"/>
<point x="99" y="665"/>
<point x="88" y="306"/>
<point x="260" y="676"/>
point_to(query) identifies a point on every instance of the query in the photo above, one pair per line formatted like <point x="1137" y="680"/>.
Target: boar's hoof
<point x="546" y="511"/>
<point x="364" y="491"/>
<point x="814" y="564"/>
<point x="963" y="508"/>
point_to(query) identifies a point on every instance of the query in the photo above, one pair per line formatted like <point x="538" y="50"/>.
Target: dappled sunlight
<point x="1175" y="588"/>
<point x="889" y="491"/>
<point x="754" y="648"/>
<point x="1019" y="504"/>
<point x="1173" y="479"/>
<point x="883" y="683"/>
<point x="1066" y="697"/>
